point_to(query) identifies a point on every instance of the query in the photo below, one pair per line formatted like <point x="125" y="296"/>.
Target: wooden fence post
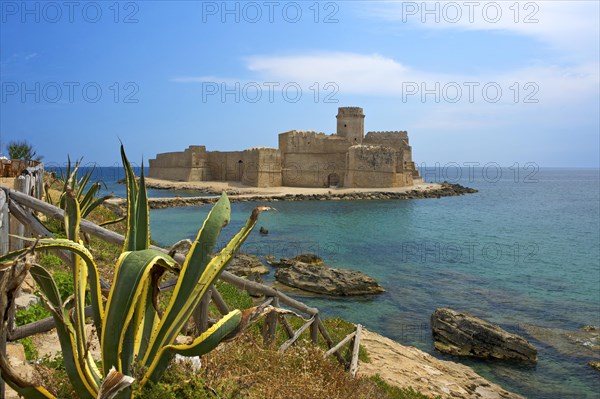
<point x="297" y="334"/>
<point x="200" y="314"/>
<point x="355" y="350"/>
<point x="21" y="185"/>
<point x="270" y="326"/>
<point x="219" y="302"/>
<point x="314" y="330"/>
<point x="28" y="185"/>
<point x="4" y="226"/>
<point x="39" y="182"/>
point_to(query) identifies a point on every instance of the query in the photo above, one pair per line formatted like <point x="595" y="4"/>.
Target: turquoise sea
<point x="523" y="252"/>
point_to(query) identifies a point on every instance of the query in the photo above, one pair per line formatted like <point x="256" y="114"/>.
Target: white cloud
<point x="569" y="26"/>
<point x="373" y="74"/>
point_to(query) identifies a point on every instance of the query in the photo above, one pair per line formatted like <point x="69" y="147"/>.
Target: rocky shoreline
<point x="444" y="190"/>
<point x="407" y="366"/>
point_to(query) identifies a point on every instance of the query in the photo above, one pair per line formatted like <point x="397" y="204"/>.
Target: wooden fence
<point x="27" y="199"/>
<point x="31" y="183"/>
<point x="14" y="167"/>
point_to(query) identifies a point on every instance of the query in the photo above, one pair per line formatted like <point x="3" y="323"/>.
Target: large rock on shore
<point x="461" y="334"/>
<point x="407" y="366"/>
<point x="319" y="278"/>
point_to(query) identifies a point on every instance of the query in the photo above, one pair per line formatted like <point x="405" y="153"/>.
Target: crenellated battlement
<point x="350" y="111"/>
<point x="398" y="138"/>
<point x="389" y="132"/>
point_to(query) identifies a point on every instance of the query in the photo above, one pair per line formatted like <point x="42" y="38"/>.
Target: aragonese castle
<point x="347" y="159"/>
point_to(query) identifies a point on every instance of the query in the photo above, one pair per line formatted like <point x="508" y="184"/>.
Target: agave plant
<point x="85" y="192"/>
<point x="130" y="329"/>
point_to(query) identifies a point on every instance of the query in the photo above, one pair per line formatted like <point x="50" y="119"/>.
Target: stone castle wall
<point x="371" y="166"/>
<point x="189" y="165"/>
<point x="260" y="167"/>
<point x="303" y="159"/>
<point x="312" y="159"/>
<point x="392" y="139"/>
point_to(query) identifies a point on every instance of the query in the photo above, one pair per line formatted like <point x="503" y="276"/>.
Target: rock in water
<point x="246" y="265"/>
<point x="323" y="279"/>
<point x="311" y="259"/>
<point x="584" y="342"/>
<point x="462" y="334"/>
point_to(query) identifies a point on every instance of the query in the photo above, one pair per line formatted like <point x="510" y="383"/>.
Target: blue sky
<point x="506" y="82"/>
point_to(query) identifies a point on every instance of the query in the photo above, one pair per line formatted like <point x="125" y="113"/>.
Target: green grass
<point x="234" y="297"/>
<point x="38" y="311"/>
<point x="64" y="283"/>
<point x="50" y="261"/>
<point x="35" y="312"/>
<point x="31" y="352"/>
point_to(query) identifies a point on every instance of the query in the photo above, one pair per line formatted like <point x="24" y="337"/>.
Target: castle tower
<point x="351" y="124"/>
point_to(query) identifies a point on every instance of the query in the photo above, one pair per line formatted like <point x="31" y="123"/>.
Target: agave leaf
<point x="99" y="201"/>
<point x="126" y="303"/>
<point x="195" y="263"/>
<point x="188" y="293"/>
<point x="83" y="182"/>
<point x="82" y="251"/>
<point x="65" y="179"/>
<point x="84" y="377"/>
<point x="80" y="278"/>
<point x="203" y="344"/>
<point x="151" y="316"/>
<point x="70" y="183"/>
<point x="72" y="221"/>
<point x="114" y="221"/>
<point x="81" y="273"/>
<point x="48" y="243"/>
<point x="142" y="221"/>
<point x="132" y="196"/>
<point x="88" y="198"/>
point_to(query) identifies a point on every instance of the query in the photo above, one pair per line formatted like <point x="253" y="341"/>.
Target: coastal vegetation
<point x="132" y="332"/>
<point x="85" y="192"/>
<point x="22" y="149"/>
<point x="244" y="368"/>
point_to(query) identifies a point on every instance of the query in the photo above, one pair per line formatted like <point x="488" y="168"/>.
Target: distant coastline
<point x="240" y="193"/>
